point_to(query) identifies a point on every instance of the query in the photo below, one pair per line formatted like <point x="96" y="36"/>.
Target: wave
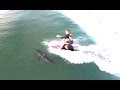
<point x="86" y="54"/>
<point x="103" y="26"/>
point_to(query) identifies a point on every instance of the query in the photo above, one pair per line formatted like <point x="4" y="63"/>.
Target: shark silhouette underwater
<point x="44" y="56"/>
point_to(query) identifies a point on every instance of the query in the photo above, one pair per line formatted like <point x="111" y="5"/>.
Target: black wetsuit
<point x="66" y="36"/>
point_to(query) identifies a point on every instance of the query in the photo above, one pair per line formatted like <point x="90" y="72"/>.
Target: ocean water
<point x="24" y="31"/>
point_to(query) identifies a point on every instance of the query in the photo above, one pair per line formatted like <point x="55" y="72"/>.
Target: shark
<point x="44" y="56"/>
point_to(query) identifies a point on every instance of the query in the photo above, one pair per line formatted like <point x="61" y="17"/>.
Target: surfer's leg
<point x="62" y="46"/>
<point x="66" y="47"/>
<point x="71" y="48"/>
<point x="67" y="44"/>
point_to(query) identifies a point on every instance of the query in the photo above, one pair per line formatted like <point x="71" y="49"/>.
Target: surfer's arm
<point x="58" y="36"/>
<point x="62" y="37"/>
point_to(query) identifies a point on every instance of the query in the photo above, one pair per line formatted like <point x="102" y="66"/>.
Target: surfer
<point x="67" y="41"/>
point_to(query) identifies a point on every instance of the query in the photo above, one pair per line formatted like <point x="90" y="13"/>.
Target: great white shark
<point x="44" y="56"/>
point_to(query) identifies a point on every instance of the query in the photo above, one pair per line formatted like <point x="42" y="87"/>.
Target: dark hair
<point x="68" y="31"/>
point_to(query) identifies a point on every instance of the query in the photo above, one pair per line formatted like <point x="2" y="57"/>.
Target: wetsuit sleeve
<point x="66" y="36"/>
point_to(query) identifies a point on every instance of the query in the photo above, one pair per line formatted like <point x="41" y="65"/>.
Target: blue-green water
<point x="21" y="32"/>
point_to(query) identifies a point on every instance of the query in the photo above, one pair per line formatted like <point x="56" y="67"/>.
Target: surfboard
<point x="58" y="47"/>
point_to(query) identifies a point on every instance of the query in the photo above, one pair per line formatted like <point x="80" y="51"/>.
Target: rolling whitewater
<point x="28" y="47"/>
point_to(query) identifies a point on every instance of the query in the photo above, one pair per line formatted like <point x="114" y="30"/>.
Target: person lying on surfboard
<point x="67" y="40"/>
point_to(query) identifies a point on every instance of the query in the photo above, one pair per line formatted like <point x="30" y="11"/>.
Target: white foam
<point x="103" y="26"/>
<point x="86" y="54"/>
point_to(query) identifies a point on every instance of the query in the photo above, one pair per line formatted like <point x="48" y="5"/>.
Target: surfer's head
<point x="67" y="31"/>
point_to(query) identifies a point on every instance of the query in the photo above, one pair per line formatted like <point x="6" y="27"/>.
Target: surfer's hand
<point x="58" y="36"/>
